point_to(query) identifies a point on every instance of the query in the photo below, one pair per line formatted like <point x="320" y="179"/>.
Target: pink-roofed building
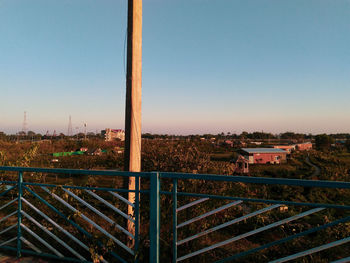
<point x="264" y="155"/>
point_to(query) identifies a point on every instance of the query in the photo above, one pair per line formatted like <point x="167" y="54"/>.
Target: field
<point x="204" y="157"/>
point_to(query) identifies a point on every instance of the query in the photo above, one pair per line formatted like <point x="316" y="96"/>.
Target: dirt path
<point x="317" y="169"/>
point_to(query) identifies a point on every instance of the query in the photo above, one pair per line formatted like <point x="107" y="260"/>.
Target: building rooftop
<point x="263" y="150"/>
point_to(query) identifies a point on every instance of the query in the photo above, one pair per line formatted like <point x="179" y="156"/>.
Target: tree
<point x="323" y="142"/>
<point x="347" y="144"/>
<point x="244" y="135"/>
<point x="292" y="135"/>
<point x="31" y="134"/>
<point x="2" y="136"/>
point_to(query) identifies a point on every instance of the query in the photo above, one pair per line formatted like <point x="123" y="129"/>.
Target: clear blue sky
<point x="208" y="66"/>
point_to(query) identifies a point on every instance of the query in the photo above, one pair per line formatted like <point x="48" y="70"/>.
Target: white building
<point x="113" y="134"/>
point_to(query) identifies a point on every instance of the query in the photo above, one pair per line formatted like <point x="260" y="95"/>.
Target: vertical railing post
<point x="174" y="220"/>
<point x="137" y="217"/>
<point x="154" y="217"/>
<point x="19" y="213"/>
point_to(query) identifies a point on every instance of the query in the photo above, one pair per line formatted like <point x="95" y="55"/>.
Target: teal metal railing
<point x="80" y="216"/>
<point x="312" y="209"/>
<point x="67" y="222"/>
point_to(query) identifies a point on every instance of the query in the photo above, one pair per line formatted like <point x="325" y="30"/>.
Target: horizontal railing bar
<point x="7" y="229"/>
<point x="343" y="260"/>
<point x="211" y="177"/>
<point x="25" y="241"/>
<point x="261" y="229"/>
<point x="80" y="229"/>
<point x="122" y="198"/>
<point x="46" y="255"/>
<point x="85" y="188"/>
<point x="8" y="190"/>
<point x="5" y="217"/>
<point x="217" y="210"/>
<point x="313" y="250"/>
<point x="8" y="241"/>
<point x="90" y="221"/>
<point x="42" y="241"/>
<point x="234" y="221"/>
<point x="56" y="225"/>
<point x="191" y="204"/>
<point x="283" y="240"/>
<point x="259" y="180"/>
<point x="9" y="248"/>
<point x="60" y="241"/>
<point x="102" y="214"/>
<point x="74" y="171"/>
<point x="12" y="201"/>
<point x="8" y="182"/>
<point x="266" y="201"/>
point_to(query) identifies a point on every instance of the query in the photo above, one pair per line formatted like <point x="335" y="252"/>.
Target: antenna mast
<point x="85" y="125"/>
<point x="70" y="127"/>
<point x="25" y="124"/>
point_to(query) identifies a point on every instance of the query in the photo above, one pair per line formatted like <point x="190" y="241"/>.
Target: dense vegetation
<point x="195" y="155"/>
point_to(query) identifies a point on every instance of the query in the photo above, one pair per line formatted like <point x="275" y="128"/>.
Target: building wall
<point x="250" y="158"/>
<point x="263" y="158"/>
<point x="113" y="134"/>
<point x="304" y="146"/>
<point x="241" y="165"/>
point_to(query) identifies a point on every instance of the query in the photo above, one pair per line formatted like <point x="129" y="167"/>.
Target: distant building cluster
<point x="276" y="155"/>
<point x="113" y="134"/>
<point x="295" y="147"/>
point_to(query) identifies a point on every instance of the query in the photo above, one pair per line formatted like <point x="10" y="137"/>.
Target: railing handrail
<point x="73" y="171"/>
<point x="259" y="180"/>
<point x="182" y="176"/>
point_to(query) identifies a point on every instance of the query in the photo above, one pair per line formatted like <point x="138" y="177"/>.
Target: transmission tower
<point x="24" y="125"/>
<point x="85" y="125"/>
<point x="70" y="128"/>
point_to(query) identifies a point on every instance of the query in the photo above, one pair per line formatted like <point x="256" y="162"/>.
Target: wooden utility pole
<point x="132" y="161"/>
